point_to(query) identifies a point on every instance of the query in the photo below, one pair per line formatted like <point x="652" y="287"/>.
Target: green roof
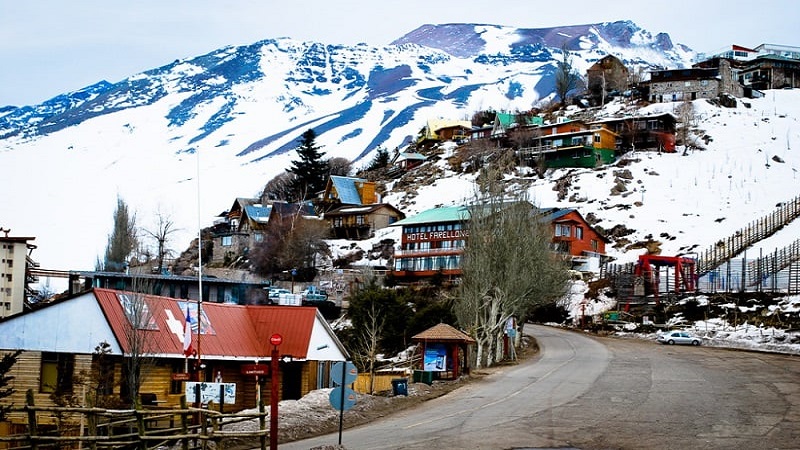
<point x="436" y="215"/>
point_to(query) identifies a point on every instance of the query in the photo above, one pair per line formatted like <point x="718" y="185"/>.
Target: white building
<point x="15" y="261"/>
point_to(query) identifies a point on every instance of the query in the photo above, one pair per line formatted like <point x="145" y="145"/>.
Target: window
<point x="258" y="237"/>
<point x="360" y="220"/>
<point x="562" y="230"/>
<point x="594" y="244"/>
<point x="56" y="372"/>
<point x="579" y="232"/>
<point x="176" y="386"/>
<point x="227" y="241"/>
<point x="8" y="276"/>
<point x="596" y="138"/>
<point x="10" y="263"/>
<point x="337" y="222"/>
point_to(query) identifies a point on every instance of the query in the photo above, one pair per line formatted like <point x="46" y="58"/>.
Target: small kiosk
<point x="444" y="353"/>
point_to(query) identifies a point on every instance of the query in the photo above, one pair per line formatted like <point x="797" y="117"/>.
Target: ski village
<point x="401" y="239"/>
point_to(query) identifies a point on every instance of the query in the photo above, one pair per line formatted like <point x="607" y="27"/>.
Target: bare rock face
<point x="651" y="246"/>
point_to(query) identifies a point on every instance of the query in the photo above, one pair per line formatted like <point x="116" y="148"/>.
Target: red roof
<point x="443" y="333"/>
<point x="229" y="331"/>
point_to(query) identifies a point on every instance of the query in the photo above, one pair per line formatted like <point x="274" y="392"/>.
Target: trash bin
<point x="423" y="376"/>
<point x="400" y="386"/>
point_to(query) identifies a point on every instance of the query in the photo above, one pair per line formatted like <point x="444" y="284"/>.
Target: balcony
<point x="428" y="252"/>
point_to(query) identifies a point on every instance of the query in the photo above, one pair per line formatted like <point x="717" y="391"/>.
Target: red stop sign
<point x="276" y="339"/>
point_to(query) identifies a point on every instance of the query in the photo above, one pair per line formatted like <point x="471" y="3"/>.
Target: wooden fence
<point x="725" y="249"/>
<point x="718" y="271"/>
<point x="99" y="428"/>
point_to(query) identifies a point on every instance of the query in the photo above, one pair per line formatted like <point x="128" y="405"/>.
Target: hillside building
<point x="15" y="278"/>
<point x="433" y="241"/>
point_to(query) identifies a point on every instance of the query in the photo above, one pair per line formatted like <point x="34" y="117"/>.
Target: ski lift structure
<point x="652" y="275"/>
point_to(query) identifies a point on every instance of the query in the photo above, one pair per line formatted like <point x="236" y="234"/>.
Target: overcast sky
<point x="49" y="47"/>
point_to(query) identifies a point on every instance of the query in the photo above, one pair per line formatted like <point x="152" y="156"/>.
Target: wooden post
<point x="262" y="423"/>
<point x="141" y="429"/>
<point x="32" y="428"/>
<point x="184" y="424"/>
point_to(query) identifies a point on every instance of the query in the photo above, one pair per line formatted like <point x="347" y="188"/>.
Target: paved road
<point x="605" y="393"/>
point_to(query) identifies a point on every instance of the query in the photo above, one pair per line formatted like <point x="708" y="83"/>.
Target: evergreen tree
<point x="6" y="362"/>
<point x="311" y="170"/>
<point x="122" y="239"/>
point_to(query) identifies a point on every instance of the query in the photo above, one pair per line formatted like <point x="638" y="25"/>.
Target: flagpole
<point x="199" y="269"/>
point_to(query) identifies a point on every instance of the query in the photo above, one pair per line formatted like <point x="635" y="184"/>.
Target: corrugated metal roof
<point x="442" y="214"/>
<point x="443" y="333"/>
<point x="346" y="189"/>
<point x="258" y="213"/>
<point x="366" y="209"/>
<point x="229" y="331"/>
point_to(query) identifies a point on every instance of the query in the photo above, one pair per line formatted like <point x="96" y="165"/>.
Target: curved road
<point x="604" y="393"/>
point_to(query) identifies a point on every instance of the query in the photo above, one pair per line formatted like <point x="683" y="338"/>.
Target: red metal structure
<point x="649" y="269"/>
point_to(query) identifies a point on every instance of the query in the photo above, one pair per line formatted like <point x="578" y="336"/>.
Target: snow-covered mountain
<point x="196" y="133"/>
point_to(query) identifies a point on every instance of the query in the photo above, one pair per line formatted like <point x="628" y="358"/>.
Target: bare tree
<point x="138" y="357"/>
<point x="368" y="340"/>
<point x="160" y="233"/>
<point x="566" y="77"/>
<point x="340" y="166"/>
<point x="508" y="268"/>
<point x="279" y="188"/>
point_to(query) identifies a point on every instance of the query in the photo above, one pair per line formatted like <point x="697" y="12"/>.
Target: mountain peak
<point x="465" y="40"/>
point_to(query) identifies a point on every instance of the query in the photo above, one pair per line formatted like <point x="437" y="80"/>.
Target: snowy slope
<point x="205" y="130"/>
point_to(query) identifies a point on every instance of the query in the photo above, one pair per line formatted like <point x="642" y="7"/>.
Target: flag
<point x="187" y="336"/>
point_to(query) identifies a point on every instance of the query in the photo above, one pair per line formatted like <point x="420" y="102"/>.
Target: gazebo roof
<point x="443" y="333"/>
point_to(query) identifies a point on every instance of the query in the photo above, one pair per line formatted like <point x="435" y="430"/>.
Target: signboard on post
<point x="210" y="392"/>
<point x="255" y="369"/>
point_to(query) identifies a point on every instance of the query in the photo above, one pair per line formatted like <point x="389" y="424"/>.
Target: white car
<point x="678" y="337"/>
<point x="275" y="294"/>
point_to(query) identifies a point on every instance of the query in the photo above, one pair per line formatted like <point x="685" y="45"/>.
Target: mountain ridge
<point x="244" y="107"/>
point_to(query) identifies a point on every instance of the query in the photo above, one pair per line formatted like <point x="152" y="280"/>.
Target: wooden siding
<point x="26" y="373"/>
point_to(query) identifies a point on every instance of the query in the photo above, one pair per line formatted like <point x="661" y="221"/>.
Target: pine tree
<point x="122" y="239"/>
<point x="311" y="170"/>
<point x="6" y="362"/>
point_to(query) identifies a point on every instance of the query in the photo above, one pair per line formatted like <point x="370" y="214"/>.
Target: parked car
<point x="314" y="294"/>
<point x="678" y="337"/>
<point x="275" y="294"/>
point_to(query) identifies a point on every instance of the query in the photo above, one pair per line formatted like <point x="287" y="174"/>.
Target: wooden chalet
<point x="360" y="222"/>
<point x="440" y="130"/>
<point x="245" y="225"/>
<point x="433" y="241"/>
<point x="340" y="190"/>
<point x="571" y="144"/>
<point x="649" y="132"/>
<point x="230" y="343"/>
<point x="406" y="161"/>
<point x="607" y="75"/>
<point x="573" y="236"/>
<point x="505" y="122"/>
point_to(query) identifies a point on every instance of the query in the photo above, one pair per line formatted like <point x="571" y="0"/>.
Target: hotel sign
<point x="437" y="235"/>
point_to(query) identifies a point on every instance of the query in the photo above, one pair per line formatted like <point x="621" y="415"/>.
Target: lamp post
<point x="276" y="340"/>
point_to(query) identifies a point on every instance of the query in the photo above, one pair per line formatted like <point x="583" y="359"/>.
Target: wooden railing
<point x="725" y="249"/>
<point x="99" y="428"/>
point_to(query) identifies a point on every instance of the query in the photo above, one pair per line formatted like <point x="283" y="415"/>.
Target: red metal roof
<point x="230" y="331"/>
